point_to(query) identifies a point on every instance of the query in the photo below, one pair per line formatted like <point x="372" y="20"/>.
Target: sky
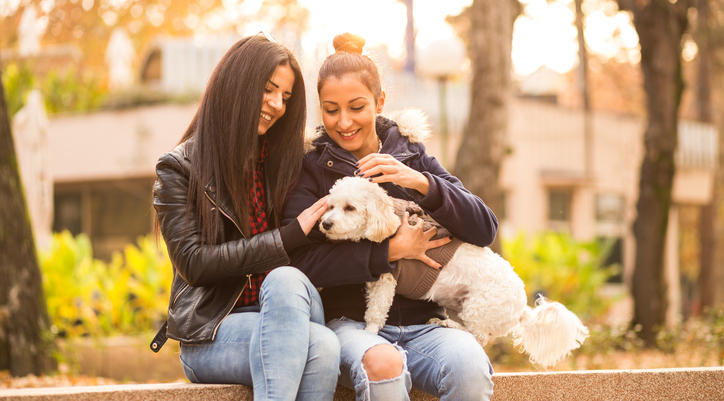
<point x="543" y="35"/>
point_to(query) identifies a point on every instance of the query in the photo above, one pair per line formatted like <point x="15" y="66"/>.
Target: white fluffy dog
<point x="478" y="289"/>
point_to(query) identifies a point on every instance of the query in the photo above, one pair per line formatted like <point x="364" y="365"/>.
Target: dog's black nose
<point x="327" y="224"/>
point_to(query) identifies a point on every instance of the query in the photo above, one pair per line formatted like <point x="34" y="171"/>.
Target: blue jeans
<point x="447" y="363"/>
<point x="282" y="349"/>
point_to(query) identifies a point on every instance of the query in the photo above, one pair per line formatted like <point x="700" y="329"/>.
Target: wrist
<point x="423" y="185"/>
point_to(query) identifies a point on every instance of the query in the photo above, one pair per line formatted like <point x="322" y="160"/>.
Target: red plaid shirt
<point x="258" y="221"/>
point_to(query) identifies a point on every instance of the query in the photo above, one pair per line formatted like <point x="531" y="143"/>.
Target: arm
<point x="439" y="193"/>
<point x="198" y="264"/>
<point x="326" y="263"/>
<point x="449" y="203"/>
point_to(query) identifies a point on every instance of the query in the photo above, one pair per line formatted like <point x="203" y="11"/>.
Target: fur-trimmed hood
<point x="411" y="123"/>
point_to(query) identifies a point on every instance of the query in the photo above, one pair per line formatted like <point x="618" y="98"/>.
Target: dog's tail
<point x="549" y="332"/>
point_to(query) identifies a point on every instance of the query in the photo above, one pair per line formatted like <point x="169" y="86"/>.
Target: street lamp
<point x="442" y="59"/>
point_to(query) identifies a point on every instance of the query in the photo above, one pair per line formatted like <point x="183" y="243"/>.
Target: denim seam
<point x="441" y="371"/>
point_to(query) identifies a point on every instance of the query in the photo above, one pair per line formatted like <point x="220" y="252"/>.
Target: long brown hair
<point x="225" y="131"/>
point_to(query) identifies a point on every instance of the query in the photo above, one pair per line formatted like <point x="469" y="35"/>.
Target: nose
<point x="326" y="224"/>
<point x="344" y="121"/>
<point x="274" y="101"/>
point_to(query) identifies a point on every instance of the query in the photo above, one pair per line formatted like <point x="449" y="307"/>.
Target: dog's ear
<point x="382" y="221"/>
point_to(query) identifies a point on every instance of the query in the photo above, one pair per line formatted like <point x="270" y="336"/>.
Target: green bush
<point x="88" y="297"/>
<point x="563" y="269"/>
<point x="17" y="81"/>
<point x="67" y="91"/>
<point x="63" y="90"/>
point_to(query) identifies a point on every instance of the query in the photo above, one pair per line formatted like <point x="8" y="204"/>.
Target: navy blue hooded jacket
<point x="343" y="268"/>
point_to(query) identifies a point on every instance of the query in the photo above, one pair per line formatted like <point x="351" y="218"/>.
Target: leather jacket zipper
<point x="216" y="328"/>
<point x="221" y="209"/>
<point x="180" y="292"/>
<point x="248" y="276"/>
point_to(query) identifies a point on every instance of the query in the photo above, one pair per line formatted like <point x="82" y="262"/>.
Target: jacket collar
<point x="399" y="144"/>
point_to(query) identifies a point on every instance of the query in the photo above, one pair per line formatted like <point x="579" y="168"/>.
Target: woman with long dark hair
<point x="241" y="314"/>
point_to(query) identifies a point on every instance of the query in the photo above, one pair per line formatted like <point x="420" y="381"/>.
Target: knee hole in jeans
<point x="382" y="362"/>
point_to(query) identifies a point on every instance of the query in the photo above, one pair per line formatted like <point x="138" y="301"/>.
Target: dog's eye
<point x="349" y="208"/>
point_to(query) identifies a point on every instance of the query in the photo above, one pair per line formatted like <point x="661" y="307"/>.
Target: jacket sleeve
<point x="198" y="264"/>
<point x="326" y="263"/>
<point x="449" y="203"/>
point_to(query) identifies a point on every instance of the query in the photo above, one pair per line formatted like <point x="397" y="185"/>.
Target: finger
<point x="378" y="170"/>
<point x="373" y="156"/>
<point x="429" y="233"/>
<point x="438" y="242"/>
<point x="375" y="160"/>
<point x="428" y="261"/>
<point x="370" y="161"/>
<point x="319" y="211"/>
<point x="322" y="202"/>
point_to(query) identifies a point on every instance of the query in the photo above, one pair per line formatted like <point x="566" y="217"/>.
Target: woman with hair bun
<point x="355" y="140"/>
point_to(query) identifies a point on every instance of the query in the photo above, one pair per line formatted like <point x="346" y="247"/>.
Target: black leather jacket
<point x="208" y="279"/>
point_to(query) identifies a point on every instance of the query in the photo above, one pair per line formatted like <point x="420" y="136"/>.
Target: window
<point x="609" y="208"/>
<point x="559" y="209"/>
<point x="610" y="213"/>
<point x="559" y="205"/>
<point x="501" y="213"/>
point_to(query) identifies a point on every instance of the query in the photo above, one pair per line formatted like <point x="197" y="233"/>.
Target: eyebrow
<point x="277" y="86"/>
<point x="351" y="101"/>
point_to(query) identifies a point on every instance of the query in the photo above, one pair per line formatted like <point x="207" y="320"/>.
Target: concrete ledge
<point x="687" y="384"/>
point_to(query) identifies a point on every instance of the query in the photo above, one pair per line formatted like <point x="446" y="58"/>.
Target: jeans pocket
<point x="190" y="374"/>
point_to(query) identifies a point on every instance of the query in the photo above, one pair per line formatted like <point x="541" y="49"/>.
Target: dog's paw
<point x="446" y="323"/>
<point x="373" y="328"/>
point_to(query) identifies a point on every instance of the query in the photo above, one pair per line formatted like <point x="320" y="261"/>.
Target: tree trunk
<point x="660" y="26"/>
<point x="24" y="342"/>
<point x="708" y="218"/>
<point x="582" y="77"/>
<point x="484" y="141"/>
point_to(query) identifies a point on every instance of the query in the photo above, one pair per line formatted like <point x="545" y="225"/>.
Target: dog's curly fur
<point x="478" y="289"/>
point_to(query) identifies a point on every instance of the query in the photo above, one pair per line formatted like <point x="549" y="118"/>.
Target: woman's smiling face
<point x="349" y="110"/>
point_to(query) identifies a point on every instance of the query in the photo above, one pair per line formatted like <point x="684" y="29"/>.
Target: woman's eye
<point x="330" y="111"/>
<point x="358" y="108"/>
<point x="349" y="208"/>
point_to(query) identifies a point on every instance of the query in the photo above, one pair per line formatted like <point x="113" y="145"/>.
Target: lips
<point x="266" y="117"/>
<point x="348" y="134"/>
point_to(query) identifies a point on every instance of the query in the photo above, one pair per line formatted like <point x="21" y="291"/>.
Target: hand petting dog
<point x="411" y="242"/>
<point x="380" y="167"/>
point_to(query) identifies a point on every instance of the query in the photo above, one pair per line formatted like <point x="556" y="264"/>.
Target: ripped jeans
<point x="446" y="363"/>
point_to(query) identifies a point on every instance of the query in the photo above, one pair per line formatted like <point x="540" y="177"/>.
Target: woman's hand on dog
<point x="310" y="216"/>
<point x="385" y="168"/>
<point x="411" y="242"/>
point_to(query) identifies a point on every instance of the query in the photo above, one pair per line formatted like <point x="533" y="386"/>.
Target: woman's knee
<point x="383" y="362"/>
<point x="469" y="372"/>
<point x="286" y="279"/>
<point x="324" y="346"/>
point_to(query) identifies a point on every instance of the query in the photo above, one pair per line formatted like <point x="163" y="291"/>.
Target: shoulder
<point x="412" y="124"/>
<point x="178" y="158"/>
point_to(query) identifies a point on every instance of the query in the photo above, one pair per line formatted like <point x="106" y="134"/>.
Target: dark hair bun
<point x="348" y="42"/>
